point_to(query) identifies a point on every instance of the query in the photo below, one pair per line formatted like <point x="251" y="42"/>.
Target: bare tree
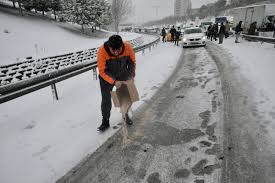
<point x="120" y="10"/>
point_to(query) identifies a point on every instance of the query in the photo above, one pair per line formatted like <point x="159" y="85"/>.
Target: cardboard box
<point x="125" y="96"/>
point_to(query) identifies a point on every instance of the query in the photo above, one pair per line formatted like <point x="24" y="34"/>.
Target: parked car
<point x="193" y="36"/>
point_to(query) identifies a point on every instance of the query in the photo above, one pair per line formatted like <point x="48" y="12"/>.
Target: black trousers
<point x="172" y="38"/>
<point x="177" y="41"/>
<point x="106" y="102"/>
<point x="163" y="38"/>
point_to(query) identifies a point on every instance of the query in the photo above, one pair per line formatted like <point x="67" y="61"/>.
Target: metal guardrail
<point x="15" y="76"/>
<point x="18" y="89"/>
<point x="258" y="38"/>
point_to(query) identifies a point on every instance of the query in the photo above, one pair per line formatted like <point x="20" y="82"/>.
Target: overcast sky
<point x="146" y="10"/>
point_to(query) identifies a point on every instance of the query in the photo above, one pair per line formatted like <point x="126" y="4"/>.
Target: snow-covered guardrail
<point x="259" y="38"/>
<point x="33" y="74"/>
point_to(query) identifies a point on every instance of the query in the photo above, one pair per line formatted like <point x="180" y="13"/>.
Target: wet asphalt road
<point x="196" y="128"/>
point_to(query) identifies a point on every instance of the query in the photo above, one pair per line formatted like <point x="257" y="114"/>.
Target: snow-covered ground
<point x="21" y="37"/>
<point x="256" y="62"/>
<point x="42" y="139"/>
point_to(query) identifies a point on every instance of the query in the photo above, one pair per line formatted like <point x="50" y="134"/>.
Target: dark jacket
<point x="238" y="28"/>
<point x="173" y="31"/>
<point x="163" y="32"/>
<point x="209" y="28"/>
<point x="215" y="29"/>
<point x="222" y="29"/>
<point x="121" y="67"/>
<point x="177" y="34"/>
<point x="252" y="28"/>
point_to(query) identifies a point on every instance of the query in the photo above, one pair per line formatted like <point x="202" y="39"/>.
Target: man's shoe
<point x="128" y="120"/>
<point x="104" y="126"/>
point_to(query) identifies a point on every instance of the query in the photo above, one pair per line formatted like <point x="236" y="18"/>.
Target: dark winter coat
<point x="215" y="29"/>
<point x="252" y="28"/>
<point x="163" y="32"/>
<point x="222" y="30"/>
<point x="238" y="28"/>
<point x="177" y="34"/>
<point x="173" y="31"/>
<point x="209" y="28"/>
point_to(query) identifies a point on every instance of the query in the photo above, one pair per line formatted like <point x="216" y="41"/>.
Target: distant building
<point x="182" y="7"/>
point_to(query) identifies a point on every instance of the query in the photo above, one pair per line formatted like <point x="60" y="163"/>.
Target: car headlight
<point x="203" y="38"/>
<point x="184" y="39"/>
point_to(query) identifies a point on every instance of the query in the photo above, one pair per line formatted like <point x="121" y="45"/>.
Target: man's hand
<point x="118" y="84"/>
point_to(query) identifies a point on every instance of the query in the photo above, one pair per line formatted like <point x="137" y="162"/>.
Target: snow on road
<point x="247" y="78"/>
<point x="52" y="137"/>
<point x="42" y="139"/>
<point x="256" y="63"/>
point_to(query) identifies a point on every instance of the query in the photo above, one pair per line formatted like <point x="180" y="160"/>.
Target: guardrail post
<point x="54" y="91"/>
<point x="94" y="74"/>
<point x="150" y="48"/>
<point x="143" y="52"/>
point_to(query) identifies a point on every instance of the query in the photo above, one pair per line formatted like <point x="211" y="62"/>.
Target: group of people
<point x="222" y="31"/>
<point x="175" y="35"/>
<point x="214" y="31"/>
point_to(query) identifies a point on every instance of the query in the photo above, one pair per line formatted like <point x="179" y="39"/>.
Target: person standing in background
<point x="177" y="36"/>
<point x="238" y="31"/>
<point x="227" y="29"/>
<point x="221" y="33"/>
<point x="173" y="32"/>
<point x="163" y="34"/>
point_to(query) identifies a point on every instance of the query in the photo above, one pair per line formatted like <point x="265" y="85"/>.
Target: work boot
<point x="104" y="126"/>
<point x="127" y="119"/>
